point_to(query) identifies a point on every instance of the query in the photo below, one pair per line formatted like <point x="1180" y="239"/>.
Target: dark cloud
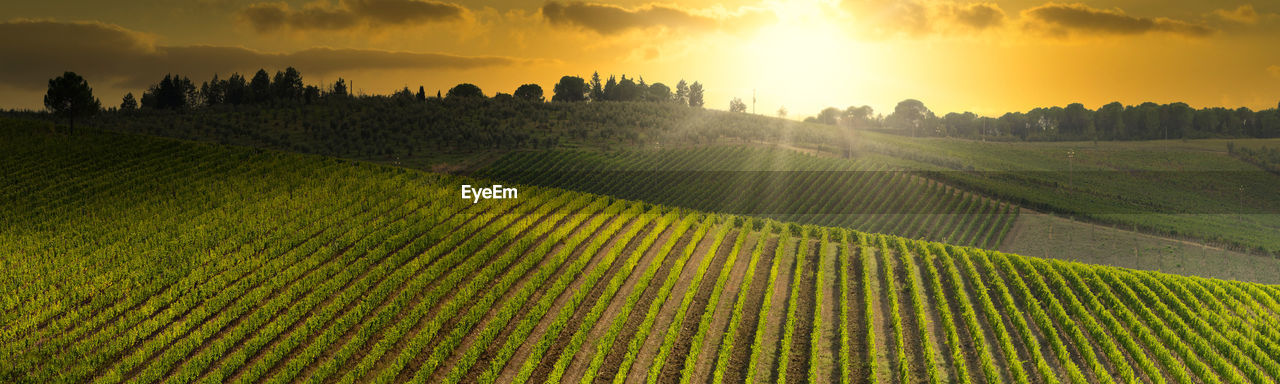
<point x="609" y="19"/>
<point x="111" y="55"/>
<point x="1068" y="19"/>
<point x="269" y="17"/>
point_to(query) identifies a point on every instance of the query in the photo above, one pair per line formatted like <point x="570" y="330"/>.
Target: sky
<point x="988" y="57"/>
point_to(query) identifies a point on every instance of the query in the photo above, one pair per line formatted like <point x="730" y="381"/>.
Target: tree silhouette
<point x="682" y="92"/>
<point x="287" y="85"/>
<point x="236" y="92"/>
<point x="529" y="92"/>
<point x="422" y="94"/>
<point x="736" y="105"/>
<point x="69" y="95"/>
<point x="463" y="91"/>
<point x="695" y="95"/>
<point x="128" y="104"/>
<point x="339" y="88"/>
<point x="597" y="89"/>
<point x="260" y="87"/>
<point x="659" y="92"/>
<point x="571" y="89"/>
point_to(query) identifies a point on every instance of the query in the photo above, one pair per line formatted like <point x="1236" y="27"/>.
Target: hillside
<point x="162" y="260"/>
<point x="864" y="193"/>
<point x="1183" y="190"/>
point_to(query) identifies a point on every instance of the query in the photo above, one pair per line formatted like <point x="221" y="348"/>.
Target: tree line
<point x="1113" y="121"/>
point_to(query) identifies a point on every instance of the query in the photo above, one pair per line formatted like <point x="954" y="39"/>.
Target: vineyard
<point x="863" y="193"/>
<point x="133" y="259"/>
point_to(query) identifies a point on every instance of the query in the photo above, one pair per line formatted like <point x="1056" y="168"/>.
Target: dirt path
<point x="768" y="354"/>
<point x="561" y="297"/>
<point x="886" y="350"/>
<point x="693" y="315"/>
<point x="618" y="350"/>
<point x="856" y="327"/>
<point x="666" y="314"/>
<point x="910" y="332"/>
<point x="723" y="312"/>
<point x="740" y="355"/>
<point x="486" y="358"/>
<point x="798" y="365"/>
<point x="827" y="359"/>
<point x="579" y="362"/>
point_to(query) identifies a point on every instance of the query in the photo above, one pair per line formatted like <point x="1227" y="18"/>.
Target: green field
<point x="864" y="193"/>
<point x="136" y="259"/>
<point x="1183" y="189"/>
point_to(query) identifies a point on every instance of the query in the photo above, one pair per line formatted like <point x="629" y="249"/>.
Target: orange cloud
<point x="607" y="19"/>
<point x="919" y="18"/>
<point x="114" y="55"/>
<point x="270" y="17"/>
<point x="1244" y="14"/>
<point x="1078" y="19"/>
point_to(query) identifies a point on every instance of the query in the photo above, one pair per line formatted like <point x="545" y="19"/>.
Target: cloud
<point x="1244" y="14"/>
<point x="1067" y="19"/>
<point x="919" y="18"/>
<point x="107" y="54"/>
<point x="322" y="16"/>
<point x="978" y="15"/>
<point x="607" y="19"/>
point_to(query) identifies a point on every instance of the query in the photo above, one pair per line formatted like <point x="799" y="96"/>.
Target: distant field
<point x="1193" y="190"/>
<point x="865" y="193"/>
<point x="134" y="259"/>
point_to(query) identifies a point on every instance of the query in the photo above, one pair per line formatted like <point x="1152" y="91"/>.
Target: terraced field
<point x="134" y="259"/>
<point x="865" y="193"/>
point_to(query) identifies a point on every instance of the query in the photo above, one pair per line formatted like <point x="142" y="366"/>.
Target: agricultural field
<point x="1193" y="190"/>
<point x="865" y="193"/>
<point x="170" y="261"/>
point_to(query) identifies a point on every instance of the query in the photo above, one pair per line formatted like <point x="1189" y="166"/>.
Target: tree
<point x="858" y="117"/>
<point x="69" y="95"/>
<point x="659" y="92"/>
<point x="422" y="94"/>
<point x="260" y="87"/>
<point x="610" y="89"/>
<point x="695" y="95"/>
<point x="465" y="91"/>
<point x="597" y="89"/>
<point x="129" y="104"/>
<point x="736" y="105"/>
<point x="782" y="112"/>
<point x="529" y="92"/>
<point x="287" y="85"/>
<point x="828" y="116"/>
<point x="627" y="90"/>
<point x="339" y="88"/>
<point x="682" y="92"/>
<point x="236" y="91"/>
<point x="213" y="91"/>
<point x="910" y="114"/>
<point x="571" y="89"/>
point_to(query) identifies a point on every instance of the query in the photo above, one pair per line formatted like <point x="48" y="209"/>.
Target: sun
<point x="799" y="60"/>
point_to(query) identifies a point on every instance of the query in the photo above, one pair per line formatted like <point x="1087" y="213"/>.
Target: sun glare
<point x="797" y="61"/>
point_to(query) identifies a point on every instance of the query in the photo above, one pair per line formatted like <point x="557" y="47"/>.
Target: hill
<point x="140" y="259"/>
<point x="1185" y="190"/>
<point x="862" y="193"/>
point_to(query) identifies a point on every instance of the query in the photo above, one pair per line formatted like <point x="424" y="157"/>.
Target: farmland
<point x="865" y="193"/>
<point x="161" y="260"/>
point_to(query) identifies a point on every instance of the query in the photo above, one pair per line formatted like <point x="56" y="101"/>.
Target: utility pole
<point x="1071" y="157"/>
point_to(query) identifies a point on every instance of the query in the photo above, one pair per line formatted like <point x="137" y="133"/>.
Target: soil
<point x="741" y="353"/>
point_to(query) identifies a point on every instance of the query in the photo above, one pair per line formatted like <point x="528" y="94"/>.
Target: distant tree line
<point x="1114" y="121"/>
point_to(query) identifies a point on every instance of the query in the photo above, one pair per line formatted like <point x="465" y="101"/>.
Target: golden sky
<point x="988" y="57"/>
